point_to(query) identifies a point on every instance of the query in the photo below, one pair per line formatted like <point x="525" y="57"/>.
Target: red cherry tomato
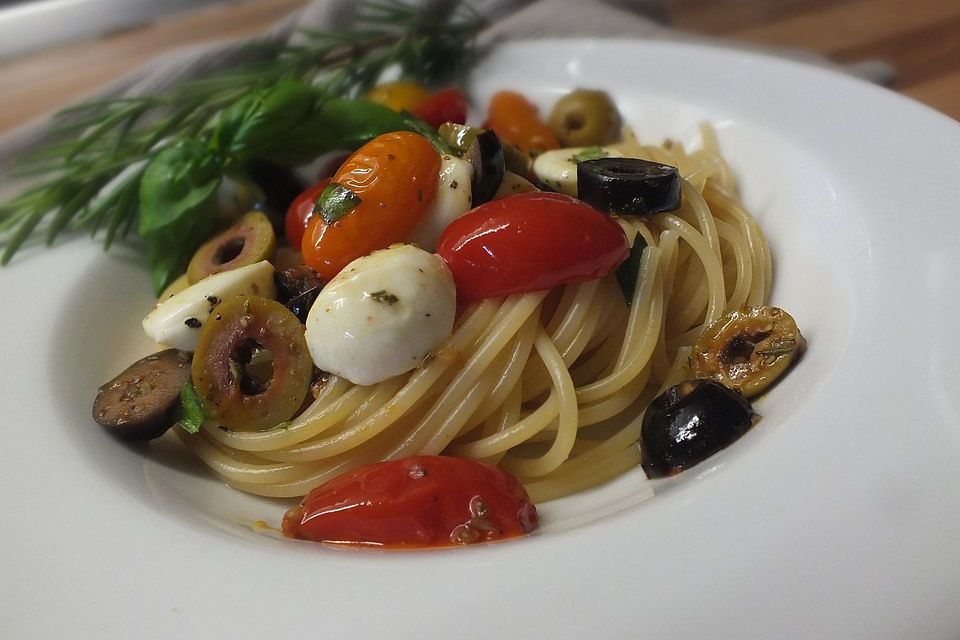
<point x="423" y="501"/>
<point x="447" y="105"/>
<point x="529" y="242"/>
<point x="395" y="177"/>
<point x="299" y="212"/>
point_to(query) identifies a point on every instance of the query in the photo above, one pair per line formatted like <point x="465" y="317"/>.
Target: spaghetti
<point x="551" y="385"/>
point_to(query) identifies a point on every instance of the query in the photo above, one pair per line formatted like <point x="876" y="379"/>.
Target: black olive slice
<point x="486" y="155"/>
<point x="628" y="186"/>
<point x="690" y="422"/>
<point x="141" y="402"/>
<point x="297" y="289"/>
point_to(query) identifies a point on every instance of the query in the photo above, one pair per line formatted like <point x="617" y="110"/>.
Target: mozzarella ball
<point x="453" y="199"/>
<point x="382" y="315"/>
<point x="176" y="320"/>
<point x="558" y="169"/>
<point x="512" y="185"/>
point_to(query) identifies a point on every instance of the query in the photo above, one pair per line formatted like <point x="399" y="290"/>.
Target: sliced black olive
<point x="141" y="402"/>
<point x="251" y="368"/>
<point x="297" y="289"/>
<point x="748" y="349"/>
<point x="628" y="186"/>
<point x="280" y="185"/>
<point x="249" y="240"/>
<point x="690" y="422"/>
<point x="486" y="155"/>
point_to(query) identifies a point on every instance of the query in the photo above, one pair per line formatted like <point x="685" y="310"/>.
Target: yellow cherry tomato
<point x="399" y="96"/>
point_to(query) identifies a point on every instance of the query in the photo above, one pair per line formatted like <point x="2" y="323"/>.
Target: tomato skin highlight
<point x="528" y="242"/>
<point x="395" y="177"/>
<point x="300" y="212"/>
<point x="422" y="501"/>
<point x="516" y="121"/>
<point x="447" y="105"/>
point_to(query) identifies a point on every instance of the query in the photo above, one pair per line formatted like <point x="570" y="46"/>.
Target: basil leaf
<point x="590" y="153"/>
<point x="629" y="269"/>
<point x="415" y="124"/>
<point x="295" y="122"/>
<point x="178" y="194"/>
<point x="347" y="124"/>
<point x="270" y="124"/>
<point x="335" y="201"/>
<point x="190" y="414"/>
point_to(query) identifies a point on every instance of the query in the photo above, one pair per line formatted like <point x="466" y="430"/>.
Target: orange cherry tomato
<point x="395" y="177"/>
<point x="516" y="121"/>
<point x="300" y="212"/>
<point x="423" y="501"/>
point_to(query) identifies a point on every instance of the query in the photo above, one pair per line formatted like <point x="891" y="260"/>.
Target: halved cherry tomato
<point x="300" y="212"/>
<point x="447" y="105"/>
<point x="399" y="96"/>
<point x="395" y="177"/>
<point x="423" y="501"/>
<point x="516" y="121"/>
<point x="529" y="242"/>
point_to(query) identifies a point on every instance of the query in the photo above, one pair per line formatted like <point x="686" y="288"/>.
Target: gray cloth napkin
<point x="509" y="20"/>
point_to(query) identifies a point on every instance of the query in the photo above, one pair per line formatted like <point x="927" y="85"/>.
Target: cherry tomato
<point x="399" y="96"/>
<point x="516" y="121"/>
<point x="300" y="212"/>
<point x="447" y="105"/>
<point x="395" y="177"/>
<point x="423" y="501"/>
<point x="528" y="242"/>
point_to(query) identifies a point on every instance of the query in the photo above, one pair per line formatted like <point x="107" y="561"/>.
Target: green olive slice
<point x="748" y="349"/>
<point x="249" y="240"/>
<point x="252" y="367"/>
<point x="583" y="118"/>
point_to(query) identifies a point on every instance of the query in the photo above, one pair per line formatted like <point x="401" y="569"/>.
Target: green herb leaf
<point x="271" y="124"/>
<point x="384" y="297"/>
<point x="335" y="201"/>
<point x="415" y="124"/>
<point x="344" y="123"/>
<point x="178" y="194"/>
<point x="284" y="102"/>
<point x="629" y="269"/>
<point x="590" y="153"/>
<point x="190" y="414"/>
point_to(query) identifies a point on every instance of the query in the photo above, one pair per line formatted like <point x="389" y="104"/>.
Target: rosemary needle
<point x="96" y="141"/>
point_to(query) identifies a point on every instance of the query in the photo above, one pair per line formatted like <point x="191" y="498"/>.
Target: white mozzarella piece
<point x="177" y="320"/>
<point x="557" y="169"/>
<point x="453" y="199"/>
<point x="513" y="184"/>
<point x="382" y="314"/>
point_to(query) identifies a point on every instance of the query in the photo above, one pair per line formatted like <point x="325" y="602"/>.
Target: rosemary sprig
<point x="275" y="105"/>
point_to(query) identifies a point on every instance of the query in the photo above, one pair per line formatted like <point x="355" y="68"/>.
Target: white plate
<point x="836" y="517"/>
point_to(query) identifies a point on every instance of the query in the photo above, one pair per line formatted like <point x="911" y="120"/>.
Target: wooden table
<point x="921" y="38"/>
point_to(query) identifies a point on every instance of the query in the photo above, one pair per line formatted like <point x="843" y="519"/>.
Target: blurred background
<point x="55" y="51"/>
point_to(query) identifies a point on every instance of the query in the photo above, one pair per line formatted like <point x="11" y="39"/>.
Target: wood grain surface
<point x="920" y="38"/>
